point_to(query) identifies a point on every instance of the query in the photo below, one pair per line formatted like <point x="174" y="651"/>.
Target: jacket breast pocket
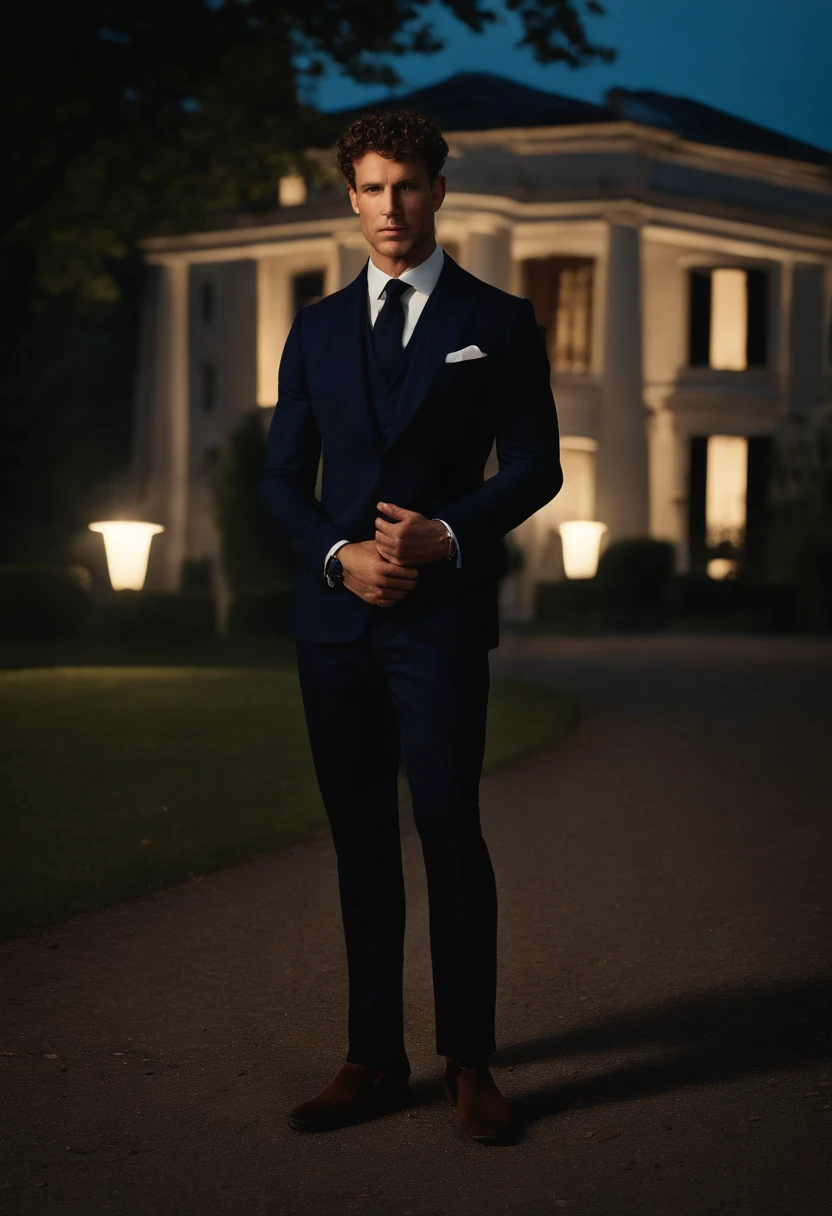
<point x="469" y="377"/>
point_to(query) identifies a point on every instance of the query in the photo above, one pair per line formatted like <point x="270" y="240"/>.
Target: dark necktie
<point x="389" y="327"/>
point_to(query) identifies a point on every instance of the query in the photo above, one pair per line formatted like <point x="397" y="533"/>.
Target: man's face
<point x="396" y="203"/>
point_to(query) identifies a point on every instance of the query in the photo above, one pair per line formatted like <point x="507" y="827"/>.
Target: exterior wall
<point x="687" y="401"/>
<point x="274" y="304"/>
<point x="645" y="215"/>
<point x="228" y="342"/>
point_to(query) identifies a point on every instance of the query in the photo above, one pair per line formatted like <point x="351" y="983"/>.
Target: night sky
<point x="763" y="60"/>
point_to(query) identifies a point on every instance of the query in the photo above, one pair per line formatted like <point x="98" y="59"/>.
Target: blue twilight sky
<point x="764" y="60"/>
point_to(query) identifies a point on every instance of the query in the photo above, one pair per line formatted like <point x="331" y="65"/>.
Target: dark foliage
<point x="254" y="554"/>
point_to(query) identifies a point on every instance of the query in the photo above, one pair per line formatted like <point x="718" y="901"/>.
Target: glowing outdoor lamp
<point x="127" y="545"/>
<point x="581" y="540"/>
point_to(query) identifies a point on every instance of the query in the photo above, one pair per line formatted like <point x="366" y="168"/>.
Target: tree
<point x="129" y="118"/>
<point x="799" y="541"/>
<point x="135" y="117"/>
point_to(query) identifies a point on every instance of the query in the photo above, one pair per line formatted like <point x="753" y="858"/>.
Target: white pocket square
<point x="467" y="352"/>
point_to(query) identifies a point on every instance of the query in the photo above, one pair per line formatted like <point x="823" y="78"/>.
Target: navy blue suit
<point x="413" y="677"/>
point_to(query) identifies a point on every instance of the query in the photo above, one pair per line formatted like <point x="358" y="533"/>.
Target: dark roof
<point x="706" y="125"/>
<point x="485" y="101"/>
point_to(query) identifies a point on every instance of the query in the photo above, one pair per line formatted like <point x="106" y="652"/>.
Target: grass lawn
<point x="120" y="780"/>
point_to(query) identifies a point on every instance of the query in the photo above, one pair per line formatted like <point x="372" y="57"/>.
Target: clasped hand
<point x="383" y="571"/>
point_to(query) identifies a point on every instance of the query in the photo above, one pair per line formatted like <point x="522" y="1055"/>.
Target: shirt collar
<point x="422" y="277"/>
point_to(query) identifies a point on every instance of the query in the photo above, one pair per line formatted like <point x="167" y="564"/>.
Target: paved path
<point x="665" y="980"/>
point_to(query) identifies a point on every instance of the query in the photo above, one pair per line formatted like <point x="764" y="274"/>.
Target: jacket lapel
<point x="346" y="355"/>
<point x="440" y="328"/>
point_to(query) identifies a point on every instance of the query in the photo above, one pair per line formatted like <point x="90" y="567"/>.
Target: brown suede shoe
<point x="354" y="1093"/>
<point x="484" y="1114"/>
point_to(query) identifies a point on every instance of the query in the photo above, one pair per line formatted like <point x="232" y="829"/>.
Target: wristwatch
<point x="451" y="543"/>
<point x="335" y="571"/>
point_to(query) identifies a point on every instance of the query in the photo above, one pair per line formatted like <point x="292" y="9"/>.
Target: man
<point x="405" y="378"/>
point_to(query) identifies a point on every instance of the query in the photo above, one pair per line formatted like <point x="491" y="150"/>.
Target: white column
<point x="622" y="471"/>
<point x="172" y="396"/>
<point x="489" y="255"/>
<point x="350" y="259"/>
<point x="668" y="482"/>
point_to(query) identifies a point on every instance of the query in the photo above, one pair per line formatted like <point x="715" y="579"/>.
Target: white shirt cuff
<point x="334" y="549"/>
<point x="456" y="542"/>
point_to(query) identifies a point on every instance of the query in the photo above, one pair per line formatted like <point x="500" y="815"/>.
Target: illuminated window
<point x="726" y="486"/>
<point x="560" y="288"/>
<point x="728" y="319"/>
<point x="728" y="514"/>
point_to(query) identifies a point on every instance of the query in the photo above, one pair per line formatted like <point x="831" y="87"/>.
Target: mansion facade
<point x="679" y="261"/>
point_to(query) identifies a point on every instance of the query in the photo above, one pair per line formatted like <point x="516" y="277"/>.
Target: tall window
<point x="207" y="385"/>
<point x="560" y="288"/>
<point x="728" y="314"/>
<point x="207" y="302"/>
<point x="307" y="288"/>
<point x="727" y="503"/>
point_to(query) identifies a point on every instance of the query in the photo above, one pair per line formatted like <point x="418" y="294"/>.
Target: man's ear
<point x="353" y="197"/>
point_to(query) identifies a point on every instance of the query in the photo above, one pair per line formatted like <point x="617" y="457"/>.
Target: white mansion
<point x="679" y="259"/>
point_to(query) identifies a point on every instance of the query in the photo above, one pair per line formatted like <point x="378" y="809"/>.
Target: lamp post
<point x="581" y="539"/>
<point x="127" y="546"/>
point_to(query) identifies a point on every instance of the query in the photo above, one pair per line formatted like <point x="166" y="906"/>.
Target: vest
<point x="384" y="395"/>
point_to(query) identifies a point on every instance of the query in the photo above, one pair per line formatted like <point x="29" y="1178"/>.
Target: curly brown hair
<point x="396" y="134"/>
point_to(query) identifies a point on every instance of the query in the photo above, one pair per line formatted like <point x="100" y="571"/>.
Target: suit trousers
<point x="418" y="690"/>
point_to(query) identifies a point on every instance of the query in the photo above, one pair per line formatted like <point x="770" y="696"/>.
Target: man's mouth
<point x="392" y="230"/>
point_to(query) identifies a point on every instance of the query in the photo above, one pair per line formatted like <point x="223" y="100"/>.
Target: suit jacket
<point x="432" y="461"/>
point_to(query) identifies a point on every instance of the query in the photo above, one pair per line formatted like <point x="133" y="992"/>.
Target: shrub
<point x="155" y="616"/>
<point x="697" y="601"/>
<point x="799" y="539"/>
<point x="261" y="610"/>
<point x="41" y="601"/>
<point x="571" y="604"/>
<point x="254" y="551"/>
<point x="633" y="579"/>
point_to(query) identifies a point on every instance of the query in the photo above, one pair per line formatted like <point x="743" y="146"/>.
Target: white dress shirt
<point x="421" y="280"/>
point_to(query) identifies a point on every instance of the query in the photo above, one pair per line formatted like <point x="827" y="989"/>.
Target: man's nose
<point x="391" y="203"/>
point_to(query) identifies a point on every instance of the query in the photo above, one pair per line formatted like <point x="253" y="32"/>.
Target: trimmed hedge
<point x="741" y="603"/>
<point x="42" y="601"/>
<point x="573" y="604"/>
<point x="261" y="610"/>
<point x="633" y="579"/>
<point x="154" y="616"/>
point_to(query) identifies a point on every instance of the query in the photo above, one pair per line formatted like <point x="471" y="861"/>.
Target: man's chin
<point x="395" y="246"/>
